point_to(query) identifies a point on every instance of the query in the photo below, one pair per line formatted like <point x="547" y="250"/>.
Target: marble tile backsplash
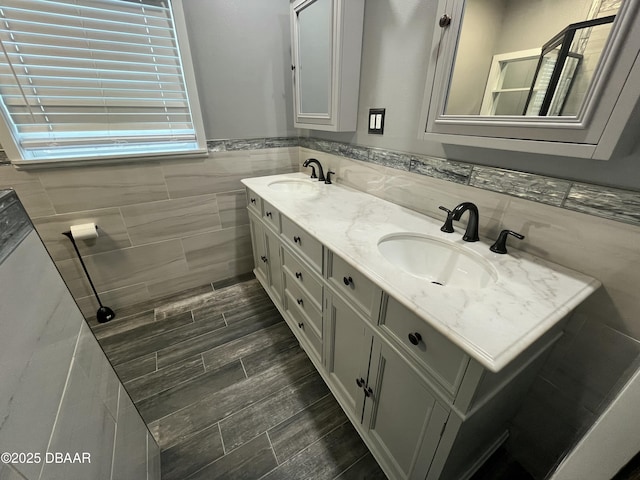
<point x="601" y="201"/>
<point x="597" y="200"/>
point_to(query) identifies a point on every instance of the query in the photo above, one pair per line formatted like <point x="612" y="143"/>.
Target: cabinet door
<point x="259" y="249"/>
<point x="326" y="40"/>
<point x="347" y="343"/>
<point x="274" y="264"/>
<point x="401" y="415"/>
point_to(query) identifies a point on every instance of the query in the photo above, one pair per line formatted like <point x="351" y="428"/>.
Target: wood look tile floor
<point x="227" y="392"/>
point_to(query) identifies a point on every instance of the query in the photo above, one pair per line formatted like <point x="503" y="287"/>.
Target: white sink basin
<point x="439" y="262"/>
<point x="297" y="186"/>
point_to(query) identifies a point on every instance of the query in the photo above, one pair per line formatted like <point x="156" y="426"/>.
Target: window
<point x="83" y="79"/>
<point x="509" y="82"/>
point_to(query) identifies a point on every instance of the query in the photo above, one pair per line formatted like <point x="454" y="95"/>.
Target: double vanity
<point x="428" y="342"/>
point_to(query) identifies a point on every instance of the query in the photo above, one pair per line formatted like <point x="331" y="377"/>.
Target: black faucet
<point x="309" y="161"/>
<point x="471" y="234"/>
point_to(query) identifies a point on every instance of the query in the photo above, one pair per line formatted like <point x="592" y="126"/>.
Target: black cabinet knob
<point x="268" y="214"/>
<point x="296" y="239"/>
<point x="347" y="281"/>
<point x="300" y="301"/>
<point x="368" y="392"/>
<point x="300" y="325"/>
<point x="415" y="338"/>
<point x="253" y="200"/>
<point x="263" y="258"/>
<point x="360" y="382"/>
<point x="445" y="21"/>
<point x="299" y="275"/>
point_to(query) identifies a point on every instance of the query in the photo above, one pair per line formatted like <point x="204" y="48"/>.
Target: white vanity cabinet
<point x="387" y="400"/>
<point x="425" y="408"/>
<point x="326" y="39"/>
<point x="264" y="223"/>
<point x="579" y="109"/>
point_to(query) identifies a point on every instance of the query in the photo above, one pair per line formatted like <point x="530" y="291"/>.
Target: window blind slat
<point x="167" y="56"/>
<point x="62" y="41"/>
<point x="77" y="71"/>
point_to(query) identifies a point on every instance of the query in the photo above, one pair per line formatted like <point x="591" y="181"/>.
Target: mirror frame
<point x="578" y="136"/>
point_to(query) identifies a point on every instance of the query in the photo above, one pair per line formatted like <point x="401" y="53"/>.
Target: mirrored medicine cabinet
<point x="326" y="40"/>
<point x="558" y="77"/>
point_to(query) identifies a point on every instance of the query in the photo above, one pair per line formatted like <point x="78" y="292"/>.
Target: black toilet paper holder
<point x="104" y="314"/>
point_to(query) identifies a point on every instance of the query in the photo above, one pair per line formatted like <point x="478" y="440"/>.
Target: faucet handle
<point x="500" y="245"/>
<point x="328" y="179"/>
<point x="448" y="223"/>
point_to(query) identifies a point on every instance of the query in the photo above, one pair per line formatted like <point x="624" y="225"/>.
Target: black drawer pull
<point x="347" y="281"/>
<point x="360" y="382"/>
<point x="415" y="338"/>
<point x="296" y="239"/>
<point x="263" y="258"/>
<point x="368" y="392"/>
<point x="253" y="200"/>
<point x="299" y="275"/>
<point x="300" y="325"/>
<point x="268" y="214"/>
<point x="300" y="301"/>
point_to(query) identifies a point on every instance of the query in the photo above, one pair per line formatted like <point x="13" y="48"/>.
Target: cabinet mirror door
<point x="544" y="71"/>
<point x="313" y="27"/>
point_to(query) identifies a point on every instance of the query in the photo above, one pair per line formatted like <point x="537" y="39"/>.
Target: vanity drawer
<point x="301" y="275"/>
<point x="304" y="326"/>
<point x="354" y="285"/>
<point x="254" y="203"/>
<point x="271" y="215"/>
<point x="435" y="353"/>
<point x="304" y="303"/>
<point x="303" y="243"/>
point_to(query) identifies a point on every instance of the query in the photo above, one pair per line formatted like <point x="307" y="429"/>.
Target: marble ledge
<point x="493" y="324"/>
<point x="14" y="222"/>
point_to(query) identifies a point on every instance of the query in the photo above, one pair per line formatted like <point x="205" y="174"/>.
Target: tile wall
<point x="58" y="391"/>
<point x="163" y="226"/>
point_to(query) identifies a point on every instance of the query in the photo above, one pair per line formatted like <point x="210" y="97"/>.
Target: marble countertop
<point x="493" y="324"/>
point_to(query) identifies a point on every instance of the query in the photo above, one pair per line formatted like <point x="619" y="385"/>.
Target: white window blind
<point x="87" y="78"/>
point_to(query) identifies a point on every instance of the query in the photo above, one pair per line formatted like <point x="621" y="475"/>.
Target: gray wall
<point x="397" y="42"/>
<point x="242" y="61"/>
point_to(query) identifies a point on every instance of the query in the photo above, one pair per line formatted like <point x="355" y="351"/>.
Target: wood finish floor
<point x="227" y="392"/>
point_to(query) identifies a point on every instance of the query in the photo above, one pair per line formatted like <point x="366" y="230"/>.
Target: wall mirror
<point x="523" y="57"/>
<point x="314" y="56"/>
<point x="540" y="76"/>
